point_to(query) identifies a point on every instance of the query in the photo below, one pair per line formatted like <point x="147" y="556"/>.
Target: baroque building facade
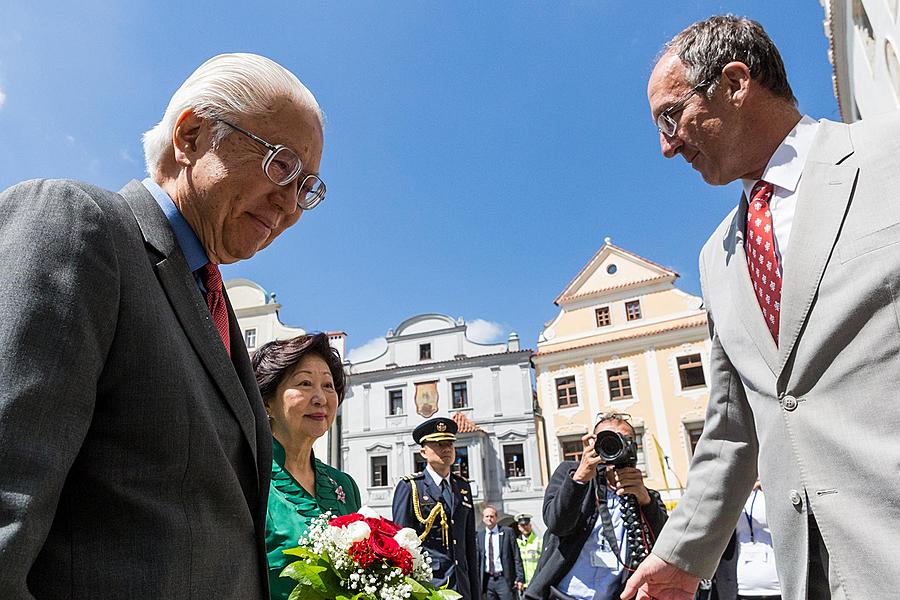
<point x="626" y="340"/>
<point x="429" y="368"/>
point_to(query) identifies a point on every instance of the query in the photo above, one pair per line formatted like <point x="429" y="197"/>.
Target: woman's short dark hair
<point x="274" y="360"/>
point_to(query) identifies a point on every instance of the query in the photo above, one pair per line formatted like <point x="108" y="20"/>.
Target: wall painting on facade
<point x="426" y="398"/>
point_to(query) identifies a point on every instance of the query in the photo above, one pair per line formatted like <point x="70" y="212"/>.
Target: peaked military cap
<point x="439" y="429"/>
<point x="523" y="518"/>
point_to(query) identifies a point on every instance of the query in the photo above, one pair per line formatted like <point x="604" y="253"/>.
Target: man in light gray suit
<point x="134" y="447"/>
<point x="802" y="285"/>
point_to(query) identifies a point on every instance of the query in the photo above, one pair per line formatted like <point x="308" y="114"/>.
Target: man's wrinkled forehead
<point x="667" y="83"/>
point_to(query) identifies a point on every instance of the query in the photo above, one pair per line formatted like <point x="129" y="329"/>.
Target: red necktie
<point x="215" y="300"/>
<point x="765" y="272"/>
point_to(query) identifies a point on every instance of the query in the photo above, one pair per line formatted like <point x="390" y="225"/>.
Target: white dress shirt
<point x="492" y="548"/>
<point x="784" y="171"/>
<point x="437" y="478"/>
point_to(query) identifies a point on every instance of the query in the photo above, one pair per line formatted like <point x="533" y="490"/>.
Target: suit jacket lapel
<point x="744" y="298"/>
<point x="824" y="195"/>
<point x="192" y="312"/>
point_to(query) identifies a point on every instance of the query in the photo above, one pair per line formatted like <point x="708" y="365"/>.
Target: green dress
<point x="291" y="508"/>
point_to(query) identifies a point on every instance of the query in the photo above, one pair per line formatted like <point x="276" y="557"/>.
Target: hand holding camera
<point x="616" y="453"/>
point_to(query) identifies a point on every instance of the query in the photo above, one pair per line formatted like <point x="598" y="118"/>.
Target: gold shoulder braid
<point x="428" y="522"/>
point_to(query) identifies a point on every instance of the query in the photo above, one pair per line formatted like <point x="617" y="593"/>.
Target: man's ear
<point x="736" y="80"/>
<point x="186" y="137"/>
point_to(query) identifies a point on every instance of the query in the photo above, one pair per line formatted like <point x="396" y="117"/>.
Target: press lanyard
<point x="750" y="516"/>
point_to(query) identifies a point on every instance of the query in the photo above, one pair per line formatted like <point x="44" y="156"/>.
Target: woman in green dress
<point x="302" y="383"/>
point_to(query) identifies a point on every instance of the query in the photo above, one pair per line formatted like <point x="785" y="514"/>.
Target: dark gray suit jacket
<point x="134" y="455"/>
<point x="510" y="558"/>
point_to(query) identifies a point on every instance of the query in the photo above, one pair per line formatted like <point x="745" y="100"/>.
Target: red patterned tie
<point x="215" y="300"/>
<point x="765" y="272"/>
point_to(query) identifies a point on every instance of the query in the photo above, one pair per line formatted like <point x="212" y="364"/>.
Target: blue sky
<point x="476" y="153"/>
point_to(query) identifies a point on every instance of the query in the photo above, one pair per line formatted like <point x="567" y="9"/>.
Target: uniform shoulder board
<point x="459" y="478"/>
<point x="412" y="476"/>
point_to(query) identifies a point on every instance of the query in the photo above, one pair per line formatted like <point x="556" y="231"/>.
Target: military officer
<point x="438" y="505"/>
<point x="530" y="545"/>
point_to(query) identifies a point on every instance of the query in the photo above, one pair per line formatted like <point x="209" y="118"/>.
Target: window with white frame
<point x="693" y="431"/>
<point x="514" y="460"/>
<point x="379" y="471"/>
<point x="395" y="402"/>
<point x="250" y="338"/>
<point x="690" y="371"/>
<point x="572" y="449"/>
<point x="566" y="393"/>
<point x="460" y="394"/>
<point x="619" y="383"/>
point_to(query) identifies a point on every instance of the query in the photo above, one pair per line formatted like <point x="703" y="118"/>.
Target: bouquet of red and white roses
<point x="361" y="557"/>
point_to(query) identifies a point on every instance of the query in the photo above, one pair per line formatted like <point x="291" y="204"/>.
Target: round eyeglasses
<point x="282" y="166"/>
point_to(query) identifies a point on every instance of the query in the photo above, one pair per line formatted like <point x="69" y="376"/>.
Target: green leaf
<point x="445" y="594"/>
<point x="305" y="593"/>
<point x="306" y="574"/>
<point x="301" y="552"/>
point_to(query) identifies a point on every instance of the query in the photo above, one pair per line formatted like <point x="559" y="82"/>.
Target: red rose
<point x="346" y="520"/>
<point x="403" y="560"/>
<point x="383" y="525"/>
<point x="383" y="545"/>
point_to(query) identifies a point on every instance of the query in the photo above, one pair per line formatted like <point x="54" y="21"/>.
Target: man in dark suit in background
<point x="498" y="555"/>
<point x="437" y="503"/>
<point x="134" y="448"/>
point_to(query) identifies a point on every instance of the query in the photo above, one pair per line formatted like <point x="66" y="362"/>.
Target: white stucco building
<point x="864" y="48"/>
<point x="257" y="313"/>
<point x="429" y="367"/>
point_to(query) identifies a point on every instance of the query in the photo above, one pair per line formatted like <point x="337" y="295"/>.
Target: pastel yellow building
<point x="626" y="340"/>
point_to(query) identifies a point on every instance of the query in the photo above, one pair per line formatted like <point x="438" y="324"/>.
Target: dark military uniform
<point x="447" y="531"/>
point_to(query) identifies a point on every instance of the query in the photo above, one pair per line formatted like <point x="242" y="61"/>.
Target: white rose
<point x="357" y="531"/>
<point x="368" y="513"/>
<point x="407" y="539"/>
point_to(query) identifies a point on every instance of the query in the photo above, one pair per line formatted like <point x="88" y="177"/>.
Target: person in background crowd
<point x="498" y="555"/>
<point x="437" y="503"/>
<point x="585" y="547"/>
<point x="530" y="545"/>
<point x="799" y="287"/>
<point x="135" y="449"/>
<point x="747" y="570"/>
<point x="302" y="383"/>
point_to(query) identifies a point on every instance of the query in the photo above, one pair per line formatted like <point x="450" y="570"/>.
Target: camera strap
<point x="609" y="532"/>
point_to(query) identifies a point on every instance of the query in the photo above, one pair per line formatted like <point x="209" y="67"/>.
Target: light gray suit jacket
<point x="134" y="455"/>
<point x="819" y="412"/>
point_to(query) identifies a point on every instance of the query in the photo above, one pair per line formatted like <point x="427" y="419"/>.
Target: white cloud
<point x="485" y="331"/>
<point x="126" y="156"/>
<point x="70" y="139"/>
<point x="369" y="350"/>
<point x="2" y="97"/>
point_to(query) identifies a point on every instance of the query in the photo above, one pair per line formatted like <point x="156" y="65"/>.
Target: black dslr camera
<point x="616" y="449"/>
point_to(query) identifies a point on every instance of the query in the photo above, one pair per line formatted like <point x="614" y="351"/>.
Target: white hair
<point x="226" y="86"/>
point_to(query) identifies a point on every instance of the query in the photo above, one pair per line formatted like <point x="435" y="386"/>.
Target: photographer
<point x="588" y="552"/>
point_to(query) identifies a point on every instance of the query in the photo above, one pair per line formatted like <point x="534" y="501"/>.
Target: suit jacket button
<point x="794" y="495"/>
<point x="452" y="522"/>
<point x="789" y="403"/>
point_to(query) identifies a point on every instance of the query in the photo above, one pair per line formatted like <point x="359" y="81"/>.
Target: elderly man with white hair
<point x="134" y="447"/>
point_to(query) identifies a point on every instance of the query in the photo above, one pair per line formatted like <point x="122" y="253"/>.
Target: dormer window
<point x="424" y="351"/>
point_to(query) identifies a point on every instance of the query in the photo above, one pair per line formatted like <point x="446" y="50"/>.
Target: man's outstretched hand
<point x="659" y="580"/>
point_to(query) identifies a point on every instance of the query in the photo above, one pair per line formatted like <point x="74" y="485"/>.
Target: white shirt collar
<point x="437" y="478"/>
<point x="786" y="165"/>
